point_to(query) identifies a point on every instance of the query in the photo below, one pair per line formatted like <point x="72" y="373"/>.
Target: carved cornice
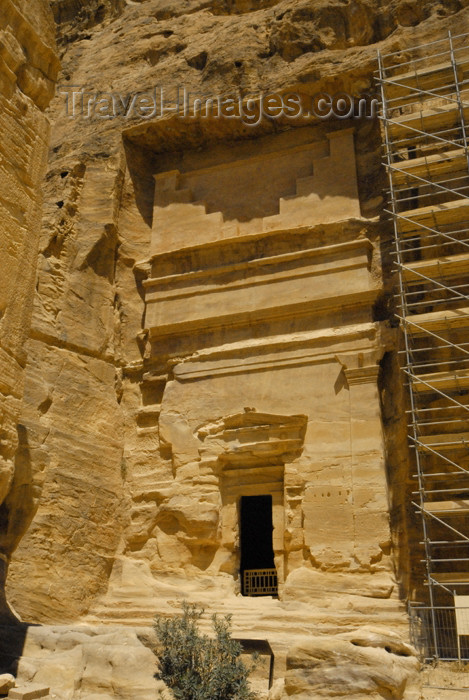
<point x="283" y="286"/>
<point x="362" y="367"/>
<point x="362" y="375"/>
<point x="310" y="348"/>
<point x="252" y="439"/>
<point x="361" y="244"/>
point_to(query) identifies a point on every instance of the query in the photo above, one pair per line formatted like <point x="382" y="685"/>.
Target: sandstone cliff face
<point x="83" y="428"/>
<point x="77" y="17"/>
<point x="28" y="69"/>
<point x="120" y="442"/>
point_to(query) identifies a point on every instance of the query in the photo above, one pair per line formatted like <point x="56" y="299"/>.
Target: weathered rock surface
<point x="81" y="497"/>
<point x="28" y="68"/>
<point x="160" y="388"/>
<point x="86" y="662"/>
<point x="372" y="664"/>
<point x="90" y="446"/>
<point x="77" y="17"/>
<point x="7" y="681"/>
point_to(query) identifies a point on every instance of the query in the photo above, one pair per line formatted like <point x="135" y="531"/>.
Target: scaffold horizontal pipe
<point x="423" y="46"/>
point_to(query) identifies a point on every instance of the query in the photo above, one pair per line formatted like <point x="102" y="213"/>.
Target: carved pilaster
<point x="369" y="482"/>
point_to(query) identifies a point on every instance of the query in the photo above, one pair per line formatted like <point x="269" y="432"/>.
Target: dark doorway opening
<point x="258" y="574"/>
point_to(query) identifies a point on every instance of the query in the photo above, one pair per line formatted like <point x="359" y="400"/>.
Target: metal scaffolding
<point x="425" y="107"/>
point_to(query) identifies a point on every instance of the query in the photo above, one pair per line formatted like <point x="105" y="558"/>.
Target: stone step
<point x="250" y="622"/>
<point x="151" y="430"/>
<point x="29" y="692"/>
<point x="148" y="612"/>
<point x="150" y="410"/>
<point x="153" y="378"/>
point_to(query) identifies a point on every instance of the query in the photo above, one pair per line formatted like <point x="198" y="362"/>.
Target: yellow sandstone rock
<point x="199" y="390"/>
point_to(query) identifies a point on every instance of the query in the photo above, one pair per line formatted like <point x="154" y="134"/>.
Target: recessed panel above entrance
<point x="262" y="190"/>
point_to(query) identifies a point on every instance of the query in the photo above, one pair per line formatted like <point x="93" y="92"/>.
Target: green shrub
<point x="197" y="667"/>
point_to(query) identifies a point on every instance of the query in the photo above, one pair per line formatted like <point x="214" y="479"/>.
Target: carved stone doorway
<point x="258" y="572"/>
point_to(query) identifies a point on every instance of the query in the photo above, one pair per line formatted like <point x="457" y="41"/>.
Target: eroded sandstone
<point x="28" y="69"/>
<point x="211" y="323"/>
